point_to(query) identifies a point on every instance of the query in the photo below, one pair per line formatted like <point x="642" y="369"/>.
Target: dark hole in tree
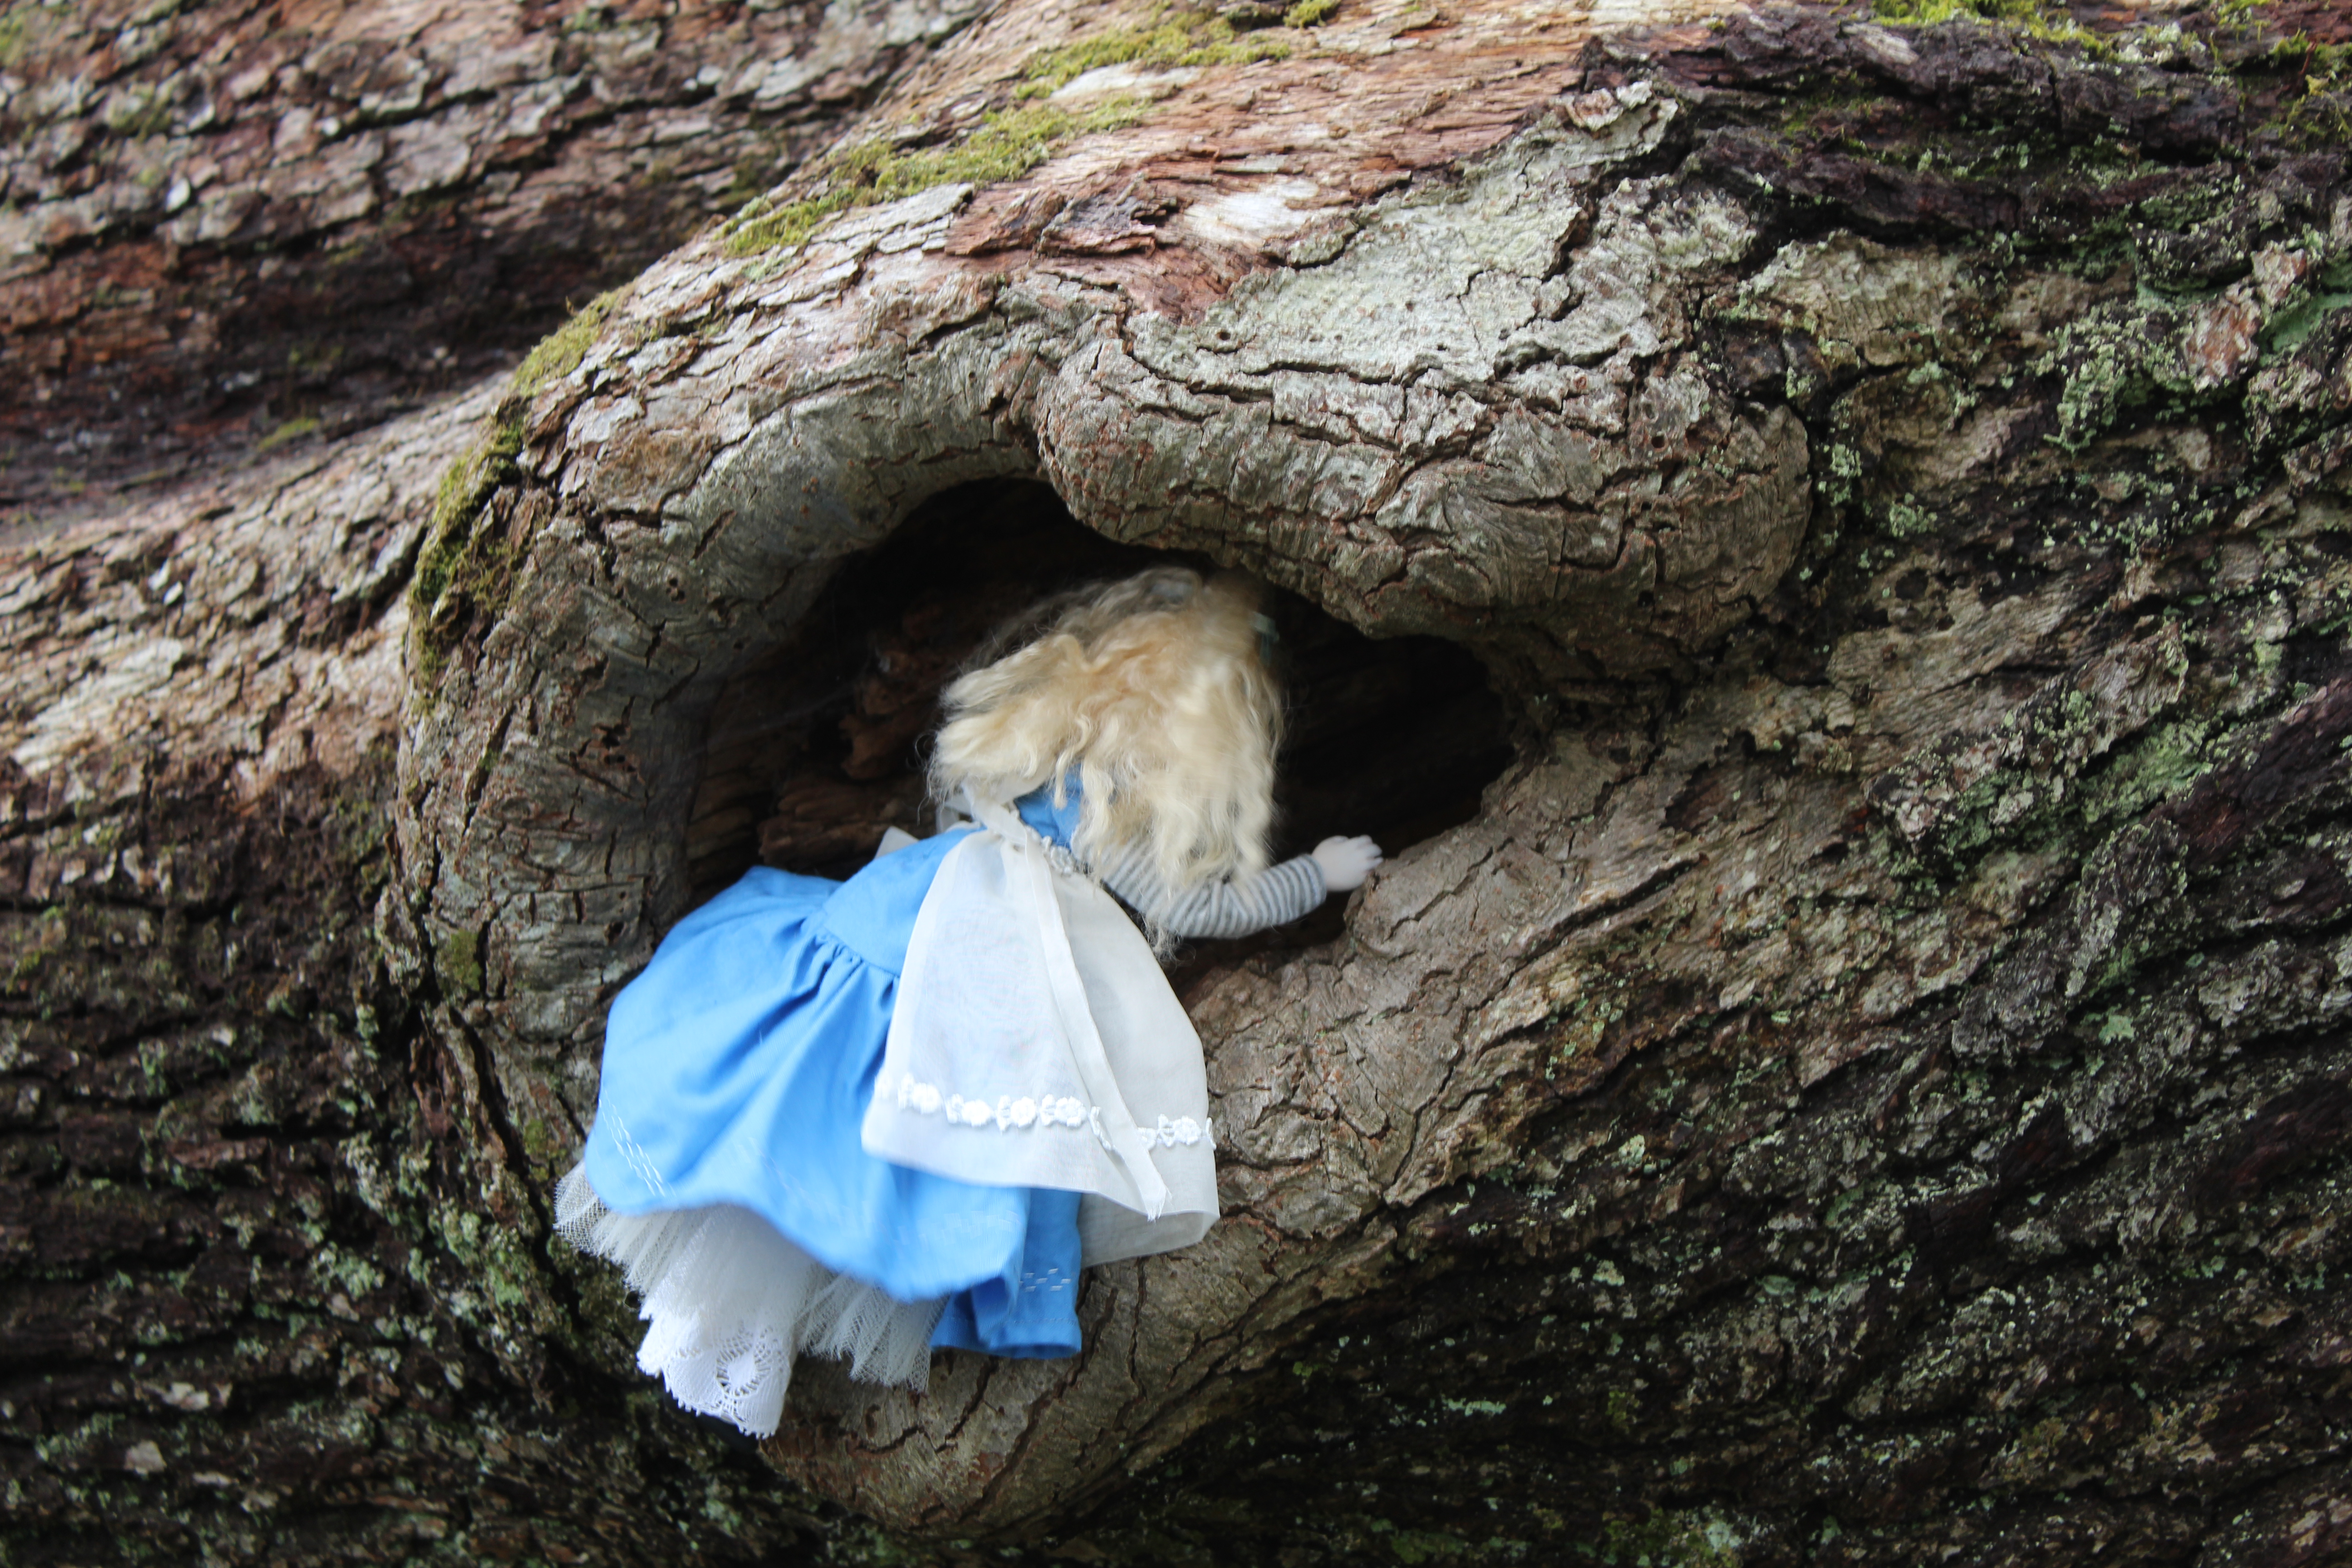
<point x="817" y="747"/>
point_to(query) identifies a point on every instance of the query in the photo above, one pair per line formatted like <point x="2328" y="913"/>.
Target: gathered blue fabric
<point x="738" y="1067"/>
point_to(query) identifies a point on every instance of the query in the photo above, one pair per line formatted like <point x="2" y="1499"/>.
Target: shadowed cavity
<point x="817" y="747"/>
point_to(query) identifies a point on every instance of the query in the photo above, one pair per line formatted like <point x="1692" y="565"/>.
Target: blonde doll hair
<point x="1154" y="691"/>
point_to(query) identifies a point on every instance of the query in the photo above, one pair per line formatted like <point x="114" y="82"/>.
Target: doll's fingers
<point x="1346" y="862"/>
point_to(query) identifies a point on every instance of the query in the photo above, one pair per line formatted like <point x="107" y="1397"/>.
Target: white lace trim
<point x="1012" y="1114"/>
<point x="729" y="1304"/>
<point x="1182" y="1130"/>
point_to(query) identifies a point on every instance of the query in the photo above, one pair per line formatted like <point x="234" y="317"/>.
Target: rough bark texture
<point x="246" y="224"/>
<point x="1867" y="1083"/>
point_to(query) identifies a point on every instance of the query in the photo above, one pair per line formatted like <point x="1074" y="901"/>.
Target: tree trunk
<point x="242" y="225"/>
<point x="1819" y="545"/>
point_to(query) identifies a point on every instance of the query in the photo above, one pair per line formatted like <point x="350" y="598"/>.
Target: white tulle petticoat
<point x="728" y="1303"/>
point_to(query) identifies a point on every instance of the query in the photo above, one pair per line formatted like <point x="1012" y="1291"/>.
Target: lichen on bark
<point x="1866" y="1085"/>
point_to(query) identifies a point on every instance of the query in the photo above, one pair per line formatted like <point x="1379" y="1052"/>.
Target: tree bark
<point x="237" y="226"/>
<point x="1867" y="1082"/>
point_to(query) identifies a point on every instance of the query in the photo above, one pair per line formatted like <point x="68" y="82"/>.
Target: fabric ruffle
<point x="1034" y="1042"/>
<point x="738" y="1065"/>
<point x="728" y="1303"/>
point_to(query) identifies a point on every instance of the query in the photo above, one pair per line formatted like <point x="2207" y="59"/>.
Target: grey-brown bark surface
<point x="239" y="224"/>
<point x="1866" y="1084"/>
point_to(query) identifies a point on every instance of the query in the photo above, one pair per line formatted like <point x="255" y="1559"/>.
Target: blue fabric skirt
<point x="737" y="1071"/>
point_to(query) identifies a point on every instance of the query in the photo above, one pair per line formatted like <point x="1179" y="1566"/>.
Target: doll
<point x="872" y="1118"/>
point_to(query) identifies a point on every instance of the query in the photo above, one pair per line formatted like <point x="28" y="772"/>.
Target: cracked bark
<point x="246" y="223"/>
<point x="1865" y="1081"/>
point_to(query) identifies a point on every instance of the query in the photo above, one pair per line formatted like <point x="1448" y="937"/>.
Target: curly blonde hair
<point x="1154" y="691"/>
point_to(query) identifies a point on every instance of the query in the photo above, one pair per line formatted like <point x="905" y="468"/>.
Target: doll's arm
<point x="1274" y="895"/>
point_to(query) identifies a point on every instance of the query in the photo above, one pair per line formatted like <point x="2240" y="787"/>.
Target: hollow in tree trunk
<point x="1821" y="544"/>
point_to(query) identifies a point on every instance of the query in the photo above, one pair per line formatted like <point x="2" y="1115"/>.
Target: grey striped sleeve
<point x="1276" y="894"/>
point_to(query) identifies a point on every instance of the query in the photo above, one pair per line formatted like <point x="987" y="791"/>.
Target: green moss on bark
<point x="463" y="569"/>
<point x="2048" y="22"/>
<point x="1008" y="141"/>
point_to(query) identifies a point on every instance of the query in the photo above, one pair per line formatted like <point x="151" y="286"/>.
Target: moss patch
<point x="462" y="567"/>
<point x="292" y="430"/>
<point x="560" y="352"/>
<point x="1010" y="141"/>
<point x="459" y="962"/>
<point x="1007" y="143"/>
<point x="1700" y="1538"/>
<point x="1171" y="45"/>
<point x="464" y="490"/>
<point x="2044" y="18"/>
<point x="2321" y="114"/>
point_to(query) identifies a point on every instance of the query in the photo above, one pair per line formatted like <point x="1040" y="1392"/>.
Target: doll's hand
<point x="1346" y="862"/>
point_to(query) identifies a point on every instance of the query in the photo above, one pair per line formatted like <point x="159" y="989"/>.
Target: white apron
<point x="1036" y="1043"/>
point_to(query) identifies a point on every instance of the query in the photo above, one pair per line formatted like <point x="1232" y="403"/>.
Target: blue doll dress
<point x="725" y="1172"/>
